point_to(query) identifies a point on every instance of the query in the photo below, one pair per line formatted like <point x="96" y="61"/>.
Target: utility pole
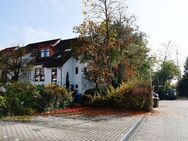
<point x="177" y="59"/>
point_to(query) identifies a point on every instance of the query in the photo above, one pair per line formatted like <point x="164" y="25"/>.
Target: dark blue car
<point x="171" y="94"/>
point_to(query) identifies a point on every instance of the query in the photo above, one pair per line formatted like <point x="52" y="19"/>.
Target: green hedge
<point x="52" y="97"/>
<point x="24" y="98"/>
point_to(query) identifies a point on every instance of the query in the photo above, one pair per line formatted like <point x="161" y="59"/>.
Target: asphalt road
<point x="169" y="122"/>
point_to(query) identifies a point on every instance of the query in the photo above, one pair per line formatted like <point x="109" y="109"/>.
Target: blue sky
<point x="163" y="21"/>
<point x="26" y="21"/>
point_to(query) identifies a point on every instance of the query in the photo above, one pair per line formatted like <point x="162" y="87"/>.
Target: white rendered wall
<point x="74" y="79"/>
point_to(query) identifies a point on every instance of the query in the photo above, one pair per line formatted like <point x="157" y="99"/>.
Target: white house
<point x="55" y="63"/>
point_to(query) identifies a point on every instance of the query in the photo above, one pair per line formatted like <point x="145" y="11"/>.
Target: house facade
<point x="54" y="63"/>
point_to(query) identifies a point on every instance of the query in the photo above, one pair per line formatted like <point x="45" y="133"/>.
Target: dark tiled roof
<point x="8" y="51"/>
<point x="62" y="48"/>
<point x="34" y="46"/>
<point x="63" y="53"/>
<point x="64" y="44"/>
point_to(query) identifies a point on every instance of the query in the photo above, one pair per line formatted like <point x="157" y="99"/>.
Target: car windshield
<point x="171" y="91"/>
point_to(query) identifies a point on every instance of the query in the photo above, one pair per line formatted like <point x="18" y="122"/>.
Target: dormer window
<point x="44" y="53"/>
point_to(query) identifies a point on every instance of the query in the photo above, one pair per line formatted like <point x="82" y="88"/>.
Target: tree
<point x="67" y="82"/>
<point x="110" y="45"/>
<point x="167" y="68"/>
<point x="13" y="64"/>
<point x="167" y="52"/>
<point x="183" y="83"/>
<point x="163" y="77"/>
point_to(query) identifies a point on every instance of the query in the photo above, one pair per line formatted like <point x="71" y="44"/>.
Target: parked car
<point x="171" y="94"/>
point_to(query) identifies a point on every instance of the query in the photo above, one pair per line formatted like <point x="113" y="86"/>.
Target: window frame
<point x="76" y="70"/>
<point x="45" y="53"/>
<point x="39" y="75"/>
<point x="54" y="75"/>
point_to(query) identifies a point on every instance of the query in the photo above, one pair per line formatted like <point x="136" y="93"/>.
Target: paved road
<point x="167" y="123"/>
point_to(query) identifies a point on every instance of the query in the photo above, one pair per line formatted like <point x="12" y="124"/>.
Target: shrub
<point x="100" y="102"/>
<point x="3" y="106"/>
<point x="43" y="99"/>
<point x="86" y="100"/>
<point x="20" y="98"/>
<point x="95" y="91"/>
<point x="2" y="102"/>
<point x="139" y="98"/>
<point x="134" y="95"/>
<point x="110" y="101"/>
<point x="59" y="97"/>
<point x="24" y="98"/>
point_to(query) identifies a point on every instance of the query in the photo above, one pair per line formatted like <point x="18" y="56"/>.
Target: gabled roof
<point x="8" y="51"/>
<point x="34" y="46"/>
<point x="63" y="53"/>
<point x="62" y="48"/>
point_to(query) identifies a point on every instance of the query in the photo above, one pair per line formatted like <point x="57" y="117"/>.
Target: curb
<point x="133" y="129"/>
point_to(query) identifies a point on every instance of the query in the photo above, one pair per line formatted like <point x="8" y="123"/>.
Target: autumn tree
<point x="13" y="64"/>
<point x="110" y="43"/>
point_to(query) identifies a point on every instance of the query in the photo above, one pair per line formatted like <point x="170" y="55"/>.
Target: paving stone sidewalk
<point x="168" y="123"/>
<point x="68" y="129"/>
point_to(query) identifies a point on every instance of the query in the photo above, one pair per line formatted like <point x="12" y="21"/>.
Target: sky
<point x="163" y="21"/>
<point x="27" y="21"/>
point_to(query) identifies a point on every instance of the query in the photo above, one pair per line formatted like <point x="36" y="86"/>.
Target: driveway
<point x="67" y="128"/>
<point x="169" y="122"/>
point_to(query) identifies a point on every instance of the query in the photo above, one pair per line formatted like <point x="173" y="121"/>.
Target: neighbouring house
<point x="54" y="63"/>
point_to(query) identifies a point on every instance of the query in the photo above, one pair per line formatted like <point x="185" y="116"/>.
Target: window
<point x="54" y="76"/>
<point x="44" y="53"/>
<point x="76" y="70"/>
<point x="76" y="86"/>
<point x="39" y="74"/>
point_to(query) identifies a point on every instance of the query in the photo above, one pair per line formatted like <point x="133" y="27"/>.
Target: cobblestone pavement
<point x="68" y="128"/>
<point x="168" y="123"/>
